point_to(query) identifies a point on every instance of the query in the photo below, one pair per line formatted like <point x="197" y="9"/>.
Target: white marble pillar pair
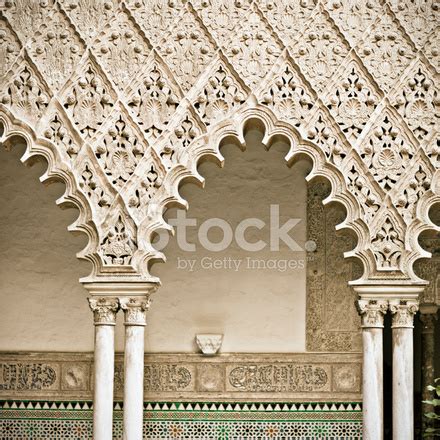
<point x="105" y="309"/>
<point x="372" y="312"/>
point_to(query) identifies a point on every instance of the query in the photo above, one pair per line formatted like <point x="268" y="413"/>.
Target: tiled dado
<point x="41" y="420"/>
<point x="239" y="377"/>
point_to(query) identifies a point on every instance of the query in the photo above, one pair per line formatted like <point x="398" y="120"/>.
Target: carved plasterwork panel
<point x="123" y="99"/>
<point x="332" y="323"/>
<point x="244" y="377"/>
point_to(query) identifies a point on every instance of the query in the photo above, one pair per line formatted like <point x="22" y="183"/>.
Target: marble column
<point x="104" y="311"/>
<point x="372" y="314"/>
<point x="403" y="312"/>
<point x="428" y="317"/>
<point x="135" y="309"/>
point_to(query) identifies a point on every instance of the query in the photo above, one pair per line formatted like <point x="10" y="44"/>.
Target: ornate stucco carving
<point x="309" y="376"/>
<point x="277" y="378"/>
<point x="332" y="323"/>
<point x="123" y="99"/>
<point x="18" y="376"/>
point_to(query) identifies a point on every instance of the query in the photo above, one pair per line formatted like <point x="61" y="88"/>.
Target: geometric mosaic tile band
<point x="35" y="420"/>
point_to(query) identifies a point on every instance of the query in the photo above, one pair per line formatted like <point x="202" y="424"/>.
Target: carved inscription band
<point x="302" y="376"/>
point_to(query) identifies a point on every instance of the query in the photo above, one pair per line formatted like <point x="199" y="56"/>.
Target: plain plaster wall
<point x="45" y="308"/>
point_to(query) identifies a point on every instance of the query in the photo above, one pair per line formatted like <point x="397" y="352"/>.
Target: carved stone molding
<point x="123" y="99"/>
<point x="403" y="312"/>
<point x="278" y="377"/>
<point x="372" y="312"/>
<point x="104" y="310"/>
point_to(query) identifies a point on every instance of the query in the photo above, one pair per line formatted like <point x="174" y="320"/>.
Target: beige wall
<point x="45" y="308"/>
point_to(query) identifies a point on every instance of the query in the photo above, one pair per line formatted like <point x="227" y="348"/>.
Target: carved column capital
<point x="372" y="312"/>
<point x="135" y="310"/>
<point x="403" y="312"/>
<point x="104" y="310"/>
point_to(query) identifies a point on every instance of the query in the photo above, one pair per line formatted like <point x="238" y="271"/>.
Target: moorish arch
<point x="124" y="100"/>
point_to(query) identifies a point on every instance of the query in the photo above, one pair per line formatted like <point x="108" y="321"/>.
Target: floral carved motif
<point x="120" y="149"/>
<point x="386" y="51"/>
<point x="56" y="47"/>
<point x="119" y="243"/>
<point x="387" y="245"/>
<point x="221" y="95"/>
<point x="58" y="133"/>
<point x="222" y="17"/>
<point x="188" y="48"/>
<point x="418" y="101"/>
<point x="418" y="17"/>
<point x="88" y="100"/>
<point x="320" y="50"/>
<point x="288" y="18"/>
<point x="155" y="17"/>
<point x="354" y="18"/>
<point x="288" y="95"/>
<point x="352" y="101"/>
<point x="387" y="150"/>
<point x="431" y="49"/>
<point x="122" y="49"/>
<point x="89" y="16"/>
<point x="255" y="49"/>
<point x="92" y="187"/>
<point x="9" y="46"/>
<point x="154" y="99"/>
<point x="26" y="93"/>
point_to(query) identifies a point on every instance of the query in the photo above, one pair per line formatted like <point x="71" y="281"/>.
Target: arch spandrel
<point x="124" y="145"/>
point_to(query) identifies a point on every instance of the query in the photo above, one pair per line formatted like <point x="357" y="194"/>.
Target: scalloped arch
<point x="56" y="170"/>
<point x="234" y="127"/>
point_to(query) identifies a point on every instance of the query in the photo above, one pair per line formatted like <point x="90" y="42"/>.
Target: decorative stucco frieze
<point x="277" y="378"/>
<point x="124" y="99"/>
<point x="28" y="376"/>
<point x="309" y="376"/>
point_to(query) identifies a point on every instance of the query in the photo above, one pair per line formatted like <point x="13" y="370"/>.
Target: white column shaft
<point x="103" y="382"/>
<point x="403" y="386"/>
<point x="133" y="382"/>
<point x="372" y="384"/>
